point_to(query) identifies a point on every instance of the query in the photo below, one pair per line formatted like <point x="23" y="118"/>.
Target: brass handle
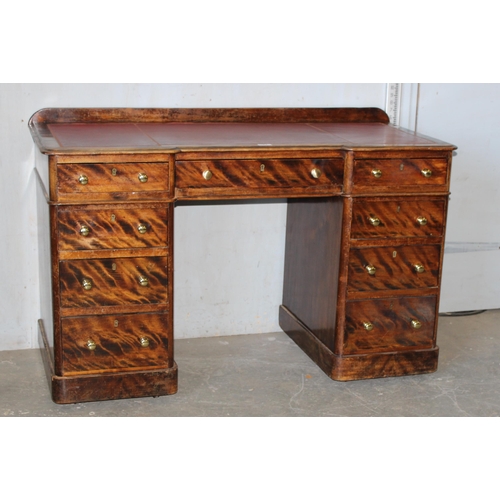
<point x="87" y="283"/>
<point x="426" y="172"/>
<point x="415" y="323"/>
<point x="84" y="230"/>
<point x="370" y="269"/>
<point x="207" y="175"/>
<point x="374" y="221"/>
<point x="83" y="179"/>
<point x="377" y="173"/>
<point x="142" y="228"/>
<point x="142" y="177"/>
<point x="144" y="342"/>
<point x="316" y="173"/>
<point x="91" y="345"/>
<point x="143" y="281"/>
<point x="367" y="326"/>
<point x="419" y="268"/>
<point x="422" y="220"/>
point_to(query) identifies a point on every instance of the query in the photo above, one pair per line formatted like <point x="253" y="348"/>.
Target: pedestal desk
<point x="366" y="218"/>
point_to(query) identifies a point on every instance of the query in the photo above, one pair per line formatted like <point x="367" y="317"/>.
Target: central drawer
<point x="231" y="176"/>
<point x="113" y="282"/>
<point x="114" y="343"/>
<point x="393" y="268"/>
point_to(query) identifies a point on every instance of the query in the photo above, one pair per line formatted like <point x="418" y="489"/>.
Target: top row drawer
<point x="400" y="175"/>
<point x="253" y="178"/>
<point x="111" y="181"/>
<point x="223" y="178"/>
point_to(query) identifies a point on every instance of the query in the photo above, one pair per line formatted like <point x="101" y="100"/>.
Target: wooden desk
<point x="366" y="219"/>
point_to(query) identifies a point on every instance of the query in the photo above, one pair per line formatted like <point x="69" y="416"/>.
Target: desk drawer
<point x="258" y="176"/>
<point x="104" y="227"/>
<point x="393" y="268"/>
<point x="399" y="218"/>
<point x="389" y="325"/>
<point x="400" y="174"/>
<point x="77" y="181"/>
<point x="93" y="344"/>
<point x="113" y="282"/>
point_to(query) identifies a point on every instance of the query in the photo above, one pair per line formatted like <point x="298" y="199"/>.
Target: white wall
<point x="468" y="115"/>
<point x="236" y="250"/>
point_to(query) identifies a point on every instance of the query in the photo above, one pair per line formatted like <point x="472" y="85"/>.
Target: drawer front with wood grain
<point x="113" y="282"/>
<point x="375" y="218"/>
<point x="231" y="177"/>
<point x="400" y="175"/>
<point x="384" y="325"/>
<point x="105" y="227"/>
<point x="94" y="344"/>
<point x="111" y="181"/>
<point x="393" y="267"/>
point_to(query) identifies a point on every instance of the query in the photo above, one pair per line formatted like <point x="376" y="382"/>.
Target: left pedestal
<point x="106" y="225"/>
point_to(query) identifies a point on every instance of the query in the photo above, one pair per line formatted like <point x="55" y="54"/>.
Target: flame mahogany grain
<point x="91" y="202"/>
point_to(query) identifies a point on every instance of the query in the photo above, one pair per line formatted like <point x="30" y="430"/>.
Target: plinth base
<point x="101" y="387"/>
<point x="359" y="367"/>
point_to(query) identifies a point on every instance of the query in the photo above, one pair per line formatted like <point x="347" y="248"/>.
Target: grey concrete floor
<point x="268" y="375"/>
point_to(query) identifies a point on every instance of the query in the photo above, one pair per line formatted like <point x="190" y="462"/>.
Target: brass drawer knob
<point x="84" y="230"/>
<point x="87" y="283"/>
<point x="426" y="172"/>
<point x="316" y="173"/>
<point x="144" y="342"/>
<point x="143" y="177"/>
<point x="142" y="228"/>
<point x="377" y="173"/>
<point x="143" y="281"/>
<point x="371" y="270"/>
<point x="207" y="175"/>
<point x="374" y="221"/>
<point x="422" y="221"/>
<point x="367" y="326"/>
<point x="419" y="268"/>
<point x="83" y="179"/>
<point x="91" y="345"/>
<point x="415" y="323"/>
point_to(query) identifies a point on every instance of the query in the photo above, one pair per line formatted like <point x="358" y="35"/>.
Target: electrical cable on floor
<point x="463" y="313"/>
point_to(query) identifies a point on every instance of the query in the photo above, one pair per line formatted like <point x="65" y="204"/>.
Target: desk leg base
<point x="365" y="366"/>
<point x="84" y="388"/>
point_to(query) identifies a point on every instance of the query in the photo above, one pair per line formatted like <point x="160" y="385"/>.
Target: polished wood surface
<point x="271" y="177"/>
<point x="91" y="227"/>
<point x="391" y="325"/>
<point x="122" y="342"/>
<point x="394" y="267"/>
<point x="111" y="181"/>
<point x="211" y="115"/>
<point x="364" y="366"/>
<point x="366" y="221"/>
<point x="400" y="174"/>
<point x="113" y="282"/>
<point x="397" y="217"/>
<point x="312" y="254"/>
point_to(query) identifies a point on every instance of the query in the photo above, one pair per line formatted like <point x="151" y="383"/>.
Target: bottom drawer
<point x="384" y="325"/>
<point x="96" y="344"/>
